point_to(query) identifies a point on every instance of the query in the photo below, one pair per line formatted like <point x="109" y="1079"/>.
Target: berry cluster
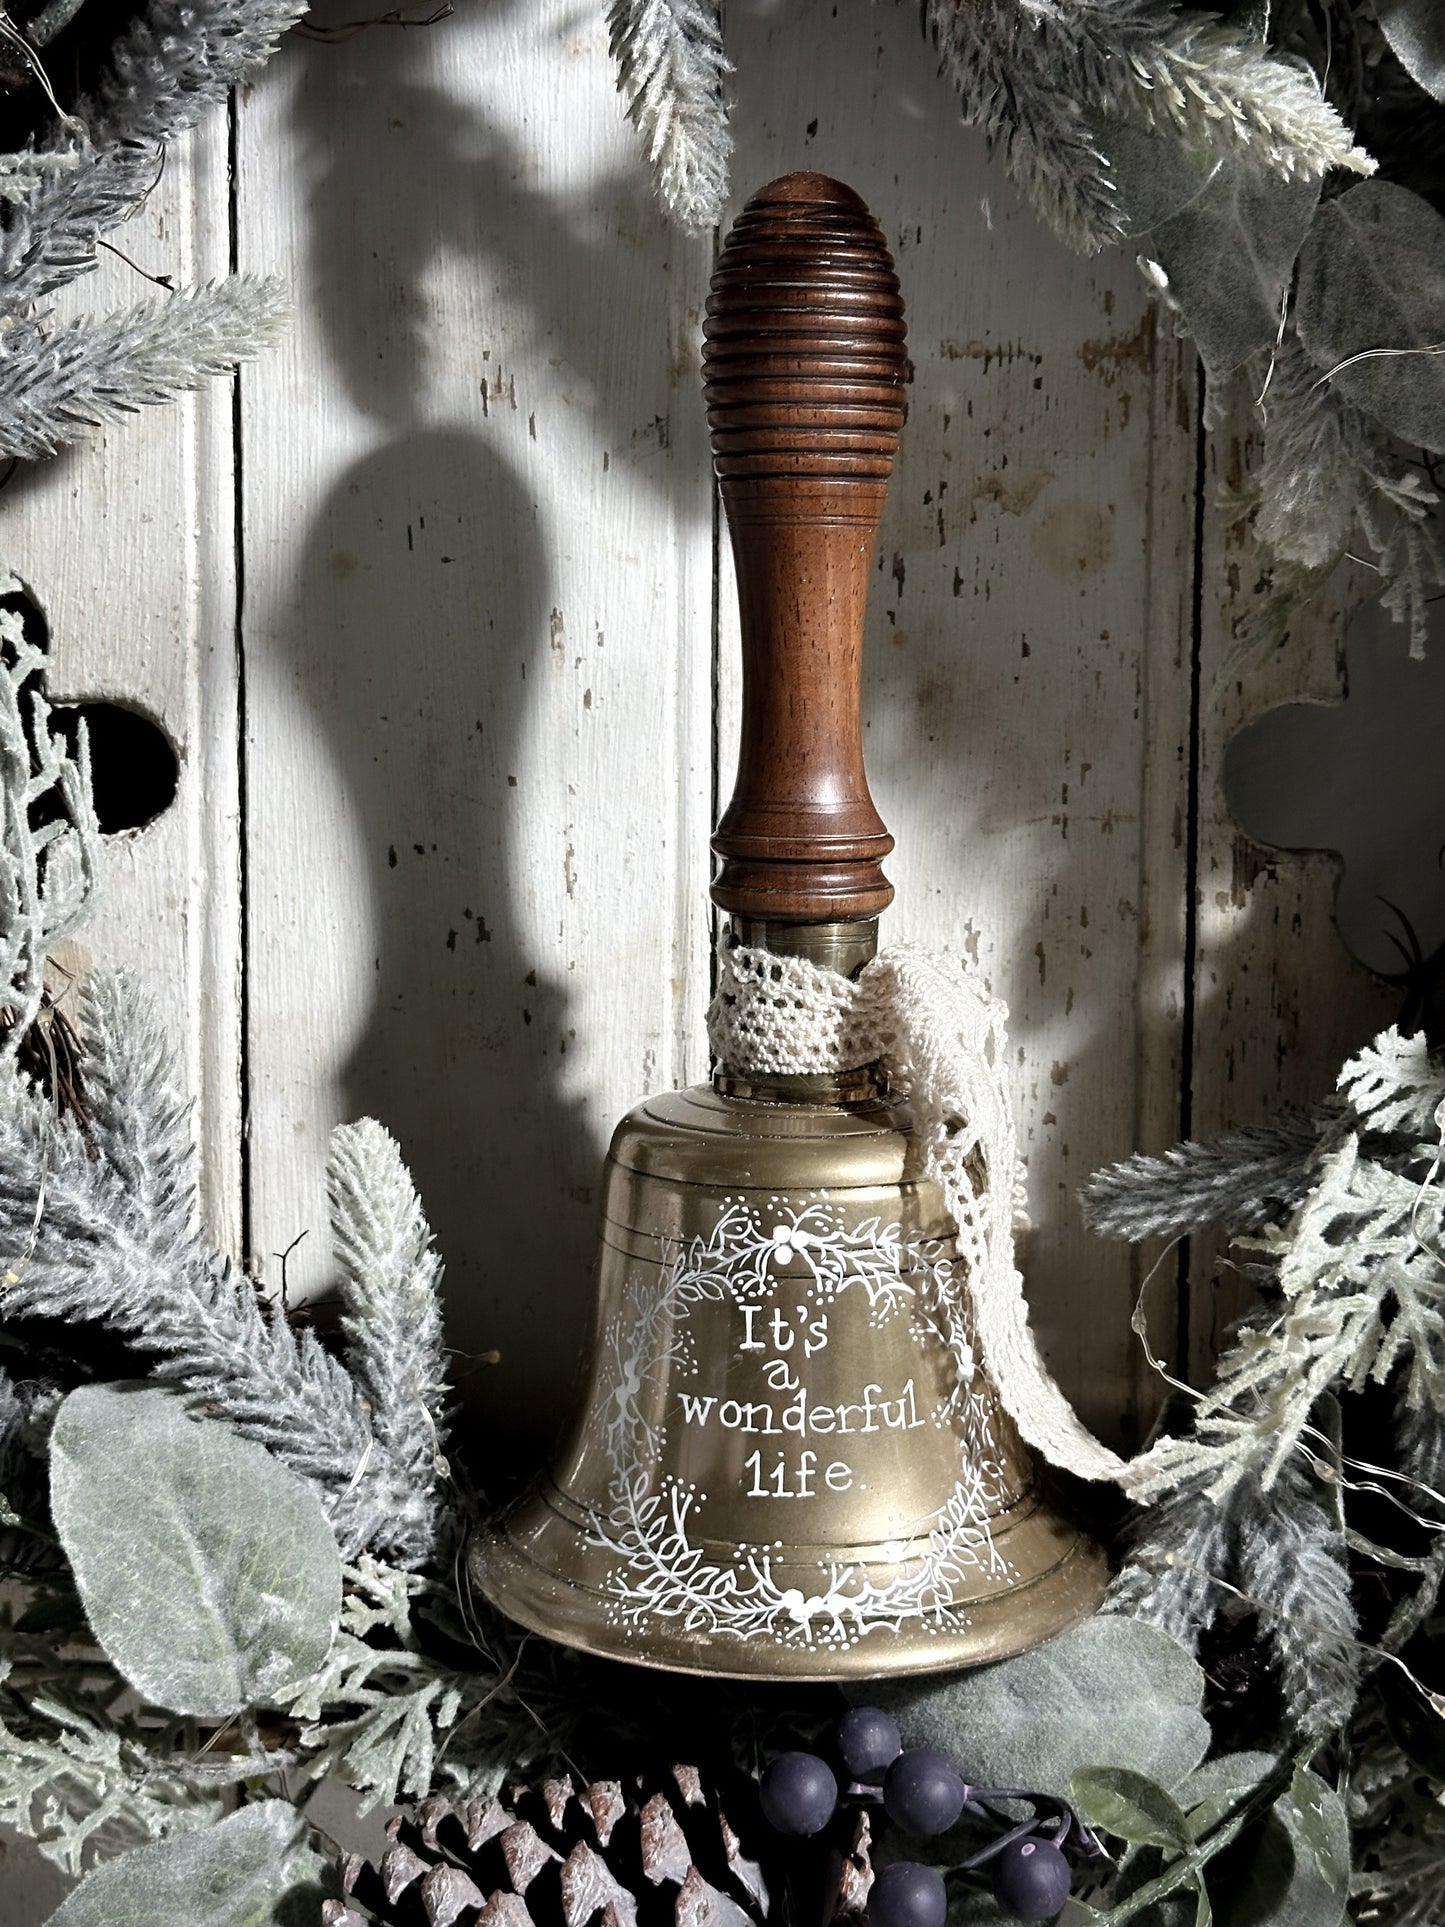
<point x="923" y="1792"/>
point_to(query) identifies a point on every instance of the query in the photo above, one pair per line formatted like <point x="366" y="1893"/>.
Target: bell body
<point x="789" y="1461"/>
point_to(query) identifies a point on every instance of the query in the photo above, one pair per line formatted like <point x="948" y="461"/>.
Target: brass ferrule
<point x="863" y="1085"/>
<point x="844" y="947"/>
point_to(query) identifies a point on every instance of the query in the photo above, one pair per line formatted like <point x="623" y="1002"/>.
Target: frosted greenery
<point x="90" y="172"/>
<point x="672" y="72"/>
<point x="49" y="838"/>
<point x="1248" y="1499"/>
<point x="1227" y="154"/>
<point x="101" y="1223"/>
<point x="206" y="1569"/>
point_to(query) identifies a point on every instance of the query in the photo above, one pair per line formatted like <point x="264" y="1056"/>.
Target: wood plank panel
<point x="1279" y="1003"/>
<point x="1027" y="677"/>
<point x="128" y="544"/>
<point x="479" y="576"/>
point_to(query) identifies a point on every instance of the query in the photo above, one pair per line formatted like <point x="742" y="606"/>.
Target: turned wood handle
<point x="803" y="369"/>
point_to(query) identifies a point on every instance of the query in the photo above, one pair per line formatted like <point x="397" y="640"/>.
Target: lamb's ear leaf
<point x="1415" y="30"/>
<point x="1369" y="307"/>
<point x="208" y="1571"/>
<point x="253" y="1869"/>
<point x="1111" y="1692"/>
<point x="1225" y="232"/>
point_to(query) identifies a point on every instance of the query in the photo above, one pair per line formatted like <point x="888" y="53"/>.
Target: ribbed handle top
<point x="804" y="368"/>
<point x="804" y="356"/>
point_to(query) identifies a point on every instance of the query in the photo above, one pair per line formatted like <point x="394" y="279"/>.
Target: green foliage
<point x="1131" y="1806"/>
<point x="208" y="1571"/>
<point x="1110" y="1693"/>
<point x="119" y="1244"/>
<point x="254" y="1869"/>
<point x="1371" y="307"/>
<point x="1223" y="236"/>
<point x="1247" y="1841"/>
<point x="395" y="1721"/>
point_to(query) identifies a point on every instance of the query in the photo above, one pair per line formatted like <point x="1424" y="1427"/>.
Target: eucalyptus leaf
<point x="1212" y="1791"/>
<point x="207" y="1570"/>
<point x="1230" y="254"/>
<point x="1371" y="306"/>
<point x="1292" y="1867"/>
<point x="253" y="1869"/>
<point x="1415" y="30"/>
<point x="1111" y="1692"/>
<point x="1130" y="1805"/>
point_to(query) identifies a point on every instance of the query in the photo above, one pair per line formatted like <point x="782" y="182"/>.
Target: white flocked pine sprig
<point x="391" y="1280"/>
<point x="1245" y="1501"/>
<point x="94" y="171"/>
<point x="103" y="1226"/>
<point x="50" y="868"/>
<point x="1026" y="71"/>
<point x="672" y="71"/>
<point x="88" y="373"/>
<point x="175" y="60"/>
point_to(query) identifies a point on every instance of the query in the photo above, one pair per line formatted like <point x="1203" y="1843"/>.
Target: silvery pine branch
<point x="22" y="173"/>
<point x="48" y="875"/>
<point x="55" y="387"/>
<point x="1042" y="77"/>
<point x="672" y="70"/>
<point x="1238" y="1182"/>
<point x="115" y="1238"/>
<point x="998" y="63"/>
<point x="391" y="1296"/>
<point x="1180" y="69"/>
<point x="177" y="58"/>
<point x="1192" y="1555"/>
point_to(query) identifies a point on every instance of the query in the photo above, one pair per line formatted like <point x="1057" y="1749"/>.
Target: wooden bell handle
<point x="803" y="370"/>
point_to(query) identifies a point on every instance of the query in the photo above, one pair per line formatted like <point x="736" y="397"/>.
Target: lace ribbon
<point x="942" y="1042"/>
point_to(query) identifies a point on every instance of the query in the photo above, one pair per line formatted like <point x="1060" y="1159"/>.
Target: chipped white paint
<point x="479" y="575"/>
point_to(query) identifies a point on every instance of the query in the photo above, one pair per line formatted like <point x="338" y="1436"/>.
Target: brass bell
<point x="788" y="1462"/>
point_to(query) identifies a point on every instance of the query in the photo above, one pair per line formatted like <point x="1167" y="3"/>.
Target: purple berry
<point x="868" y="1742"/>
<point x="907" y="1895"/>
<point x="1031" y="1880"/>
<point x="924" y="1791"/>
<point x="798" y="1793"/>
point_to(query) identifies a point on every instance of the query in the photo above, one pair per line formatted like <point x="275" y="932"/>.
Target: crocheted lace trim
<point x="942" y="1041"/>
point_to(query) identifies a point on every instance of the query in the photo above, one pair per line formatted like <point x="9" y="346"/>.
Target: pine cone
<point x="658" y="1852"/>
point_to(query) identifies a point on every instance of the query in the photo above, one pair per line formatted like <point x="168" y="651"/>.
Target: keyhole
<point x="134" y="770"/>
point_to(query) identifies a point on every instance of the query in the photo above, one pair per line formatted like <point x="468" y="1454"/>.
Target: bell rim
<point x="1042" y="1608"/>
